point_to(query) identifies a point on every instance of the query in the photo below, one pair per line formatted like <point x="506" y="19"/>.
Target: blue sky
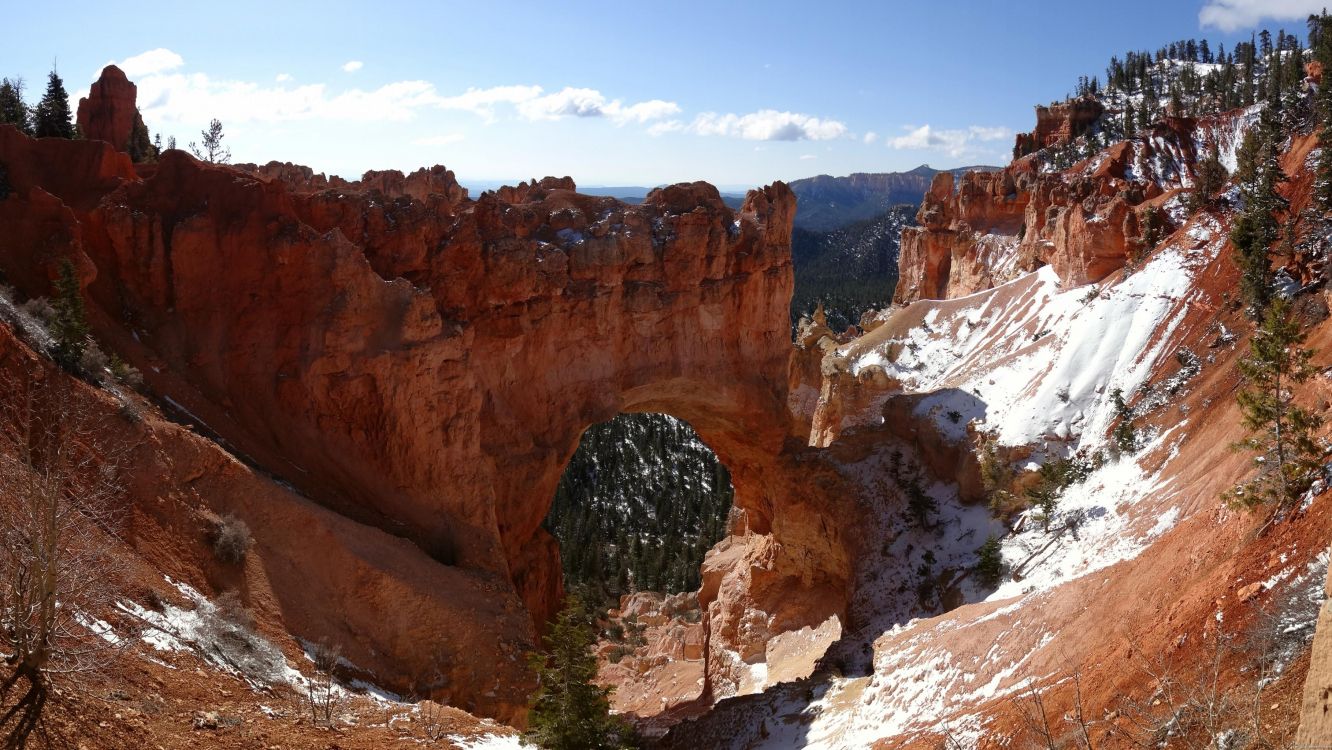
<point x="611" y="93"/>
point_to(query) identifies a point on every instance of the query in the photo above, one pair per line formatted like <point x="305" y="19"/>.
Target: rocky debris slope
<point x="1030" y="299"/>
<point x="197" y="649"/>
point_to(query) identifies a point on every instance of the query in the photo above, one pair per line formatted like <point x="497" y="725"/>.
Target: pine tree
<point x="52" y="118"/>
<point x="13" y="110"/>
<point x="70" y="327"/>
<point x="1256" y="228"/>
<point x="1323" y="171"/>
<point x="568" y="710"/>
<point x="1281" y="433"/>
<point x="990" y="562"/>
<point x="1125" y="433"/>
<point x="212" y="149"/>
<point x="1211" y="177"/>
<point x="140" y="146"/>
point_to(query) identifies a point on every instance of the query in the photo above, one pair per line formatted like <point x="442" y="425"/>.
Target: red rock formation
<point x="108" y="112"/>
<point x="425" y="368"/>
<point x="1084" y="223"/>
<point x="298" y="178"/>
<point x="1316" y="704"/>
<point x="1058" y="124"/>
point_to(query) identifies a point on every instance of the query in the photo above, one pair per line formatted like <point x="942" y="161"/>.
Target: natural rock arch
<point x="424" y="365"/>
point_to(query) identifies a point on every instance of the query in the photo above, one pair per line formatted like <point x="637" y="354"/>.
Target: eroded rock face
<point x="425" y="365"/>
<point x="1058" y="124"/>
<point x="108" y="112"/>
<point x="1086" y="222"/>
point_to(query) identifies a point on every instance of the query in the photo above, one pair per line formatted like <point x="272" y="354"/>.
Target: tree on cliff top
<point x="212" y="150"/>
<point x="13" y="110"/>
<point x="569" y="711"/>
<point x="52" y="118"/>
<point x="1280" y="433"/>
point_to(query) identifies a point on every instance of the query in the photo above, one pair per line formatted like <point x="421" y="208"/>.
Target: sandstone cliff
<point x="422" y="364"/>
<point x="1086" y="222"/>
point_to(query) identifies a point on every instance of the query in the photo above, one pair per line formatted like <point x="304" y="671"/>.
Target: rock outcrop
<point x="1316" y="706"/>
<point x="1058" y="124"/>
<point x="1086" y="222"/>
<point x="108" y="113"/>
<point x="425" y="365"/>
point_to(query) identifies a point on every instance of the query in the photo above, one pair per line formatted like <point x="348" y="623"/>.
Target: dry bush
<point x="231" y="539"/>
<point x="1189" y="709"/>
<point x="323" y="696"/>
<point x="432" y="719"/>
<point x="60" y="488"/>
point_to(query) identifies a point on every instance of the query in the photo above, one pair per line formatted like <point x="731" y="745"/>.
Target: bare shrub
<point x="1187" y="708"/>
<point x="432" y="719"/>
<point x="323" y="696"/>
<point x="231" y="539"/>
<point x="1048" y="727"/>
<point x="40" y="310"/>
<point x="59" y="487"/>
<point x="93" y="363"/>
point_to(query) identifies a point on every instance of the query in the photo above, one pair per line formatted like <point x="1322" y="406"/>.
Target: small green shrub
<point x="989" y="563"/>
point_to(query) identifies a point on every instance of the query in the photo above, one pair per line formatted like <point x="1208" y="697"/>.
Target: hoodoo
<point x="108" y="112"/>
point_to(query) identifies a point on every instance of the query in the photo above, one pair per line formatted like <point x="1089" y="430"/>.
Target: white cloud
<point x="150" y="62"/>
<point x="483" y="101"/>
<point x="667" y="126"/>
<point x="439" y="140"/>
<point x="871" y="137"/>
<point x="351" y="66"/>
<point x="195" y="97"/>
<point x="768" y="125"/>
<point x="170" y="96"/>
<point x="955" y="143"/>
<point x="1232" y="15"/>
<point x="532" y="103"/>
<point x="652" y="109"/>
<point x="807" y="157"/>
<point x="569" y="102"/>
<point x="572" y="102"/>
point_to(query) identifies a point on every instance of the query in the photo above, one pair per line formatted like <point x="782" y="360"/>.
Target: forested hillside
<point x="850" y="270"/>
<point x="826" y="203"/>
<point x="641" y="502"/>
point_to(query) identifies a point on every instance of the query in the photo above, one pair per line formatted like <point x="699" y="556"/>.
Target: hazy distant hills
<point x="826" y="202"/>
<point x="636" y="194"/>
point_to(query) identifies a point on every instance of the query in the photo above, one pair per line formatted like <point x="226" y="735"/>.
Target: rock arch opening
<point x="640" y="503"/>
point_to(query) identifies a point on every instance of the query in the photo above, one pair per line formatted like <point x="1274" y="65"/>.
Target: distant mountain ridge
<point x="851" y="269"/>
<point x="825" y="202"/>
